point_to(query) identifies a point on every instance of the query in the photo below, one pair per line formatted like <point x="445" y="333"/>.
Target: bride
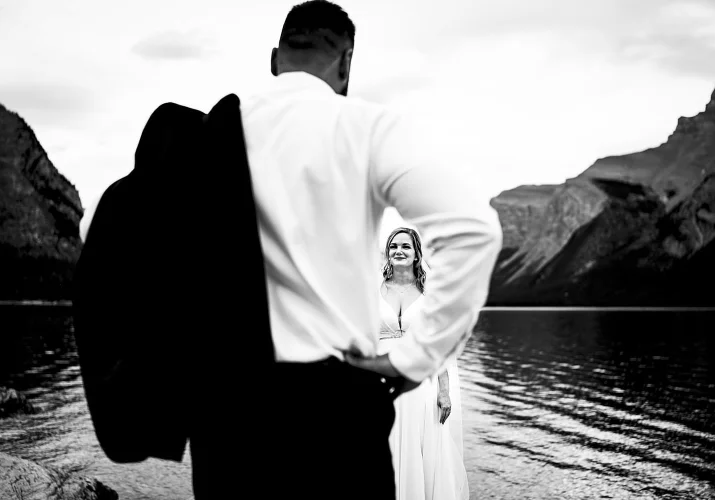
<point x="426" y="439"/>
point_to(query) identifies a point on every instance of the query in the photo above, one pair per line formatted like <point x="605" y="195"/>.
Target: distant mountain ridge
<point x="40" y="212"/>
<point x="636" y="229"/>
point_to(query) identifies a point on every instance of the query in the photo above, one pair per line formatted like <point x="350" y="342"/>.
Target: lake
<point x="557" y="404"/>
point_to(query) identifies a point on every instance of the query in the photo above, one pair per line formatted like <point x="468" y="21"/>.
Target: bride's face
<point x="402" y="251"/>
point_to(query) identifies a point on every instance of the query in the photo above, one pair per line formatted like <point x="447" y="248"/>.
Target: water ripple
<point x="551" y="391"/>
<point x="556" y="405"/>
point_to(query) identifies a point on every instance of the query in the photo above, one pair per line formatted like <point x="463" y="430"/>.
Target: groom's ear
<point x="346" y="59"/>
<point x="274" y="62"/>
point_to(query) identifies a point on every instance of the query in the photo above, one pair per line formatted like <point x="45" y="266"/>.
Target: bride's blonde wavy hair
<point x="417" y="269"/>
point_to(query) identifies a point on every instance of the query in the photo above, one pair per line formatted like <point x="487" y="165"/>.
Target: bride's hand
<point x="444" y="403"/>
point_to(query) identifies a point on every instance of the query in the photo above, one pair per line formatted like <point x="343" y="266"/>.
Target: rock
<point x="25" y="480"/>
<point x="519" y="207"/>
<point x="40" y="213"/>
<point x="636" y="229"/>
<point x="12" y="402"/>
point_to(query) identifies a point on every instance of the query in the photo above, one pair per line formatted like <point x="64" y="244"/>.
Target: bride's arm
<point x="444" y="403"/>
<point x="443" y="382"/>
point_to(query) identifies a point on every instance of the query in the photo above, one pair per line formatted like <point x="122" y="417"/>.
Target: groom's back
<point x="309" y="153"/>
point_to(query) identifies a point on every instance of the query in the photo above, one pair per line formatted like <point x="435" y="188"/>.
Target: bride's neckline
<point x="404" y="310"/>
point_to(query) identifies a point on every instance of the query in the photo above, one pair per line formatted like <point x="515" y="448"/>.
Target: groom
<point x="309" y="412"/>
<point x="324" y="168"/>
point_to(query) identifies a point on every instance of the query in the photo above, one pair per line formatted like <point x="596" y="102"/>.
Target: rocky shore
<point x="26" y="480"/>
<point x="13" y="403"/>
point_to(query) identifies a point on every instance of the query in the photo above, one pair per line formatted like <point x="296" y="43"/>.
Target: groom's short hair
<point x="317" y="25"/>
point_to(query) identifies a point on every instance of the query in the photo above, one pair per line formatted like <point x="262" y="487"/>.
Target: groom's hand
<point x="381" y="365"/>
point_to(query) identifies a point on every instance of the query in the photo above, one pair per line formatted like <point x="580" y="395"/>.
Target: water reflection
<point x="557" y="405"/>
<point x="620" y="402"/>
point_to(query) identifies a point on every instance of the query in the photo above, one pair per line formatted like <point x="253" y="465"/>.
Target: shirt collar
<point x="301" y="80"/>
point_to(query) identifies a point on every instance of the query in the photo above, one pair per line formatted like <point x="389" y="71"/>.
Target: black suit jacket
<point x="171" y="269"/>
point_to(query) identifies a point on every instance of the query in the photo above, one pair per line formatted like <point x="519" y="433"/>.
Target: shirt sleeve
<point x="461" y="237"/>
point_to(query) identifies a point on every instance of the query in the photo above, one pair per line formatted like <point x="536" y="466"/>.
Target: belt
<point x="333" y="366"/>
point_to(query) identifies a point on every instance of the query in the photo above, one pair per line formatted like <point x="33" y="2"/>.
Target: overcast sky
<point x="528" y="91"/>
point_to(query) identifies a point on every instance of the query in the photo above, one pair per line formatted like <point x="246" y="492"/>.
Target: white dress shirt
<point x="324" y="168"/>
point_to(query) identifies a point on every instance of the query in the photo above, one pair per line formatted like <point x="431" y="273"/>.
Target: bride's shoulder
<point x="383" y="289"/>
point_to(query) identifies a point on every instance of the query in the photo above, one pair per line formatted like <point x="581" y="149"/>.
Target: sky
<point x="525" y="91"/>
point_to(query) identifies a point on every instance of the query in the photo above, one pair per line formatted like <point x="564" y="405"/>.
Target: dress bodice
<point x="391" y="325"/>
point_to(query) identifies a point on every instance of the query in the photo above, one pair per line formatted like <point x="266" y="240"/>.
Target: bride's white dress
<point x="427" y="456"/>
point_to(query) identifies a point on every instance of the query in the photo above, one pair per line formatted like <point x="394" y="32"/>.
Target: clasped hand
<point x="381" y="365"/>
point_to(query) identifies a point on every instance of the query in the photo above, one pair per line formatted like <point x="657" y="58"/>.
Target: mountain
<point x="40" y="212"/>
<point x="632" y="230"/>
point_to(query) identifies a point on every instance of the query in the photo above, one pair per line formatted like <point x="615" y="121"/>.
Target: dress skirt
<point x="428" y="456"/>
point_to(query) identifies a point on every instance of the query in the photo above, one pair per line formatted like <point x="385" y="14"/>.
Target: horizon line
<point x="67" y="303"/>
<point x="598" y="308"/>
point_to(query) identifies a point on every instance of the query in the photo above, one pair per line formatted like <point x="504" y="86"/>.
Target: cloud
<point x="681" y="53"/>
<point x="534" y="91"/>
<point x="45" y="96"/>
<point x="681" y="38"/>
<point x="46" y="103"/>
<point x="676" y="35"/>
<point x="174" y="45"/>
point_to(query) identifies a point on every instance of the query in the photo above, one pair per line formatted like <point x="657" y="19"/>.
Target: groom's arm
<point x="460" y="230"/>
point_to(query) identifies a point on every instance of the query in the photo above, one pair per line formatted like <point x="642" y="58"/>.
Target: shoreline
<point x="63" y="303"/>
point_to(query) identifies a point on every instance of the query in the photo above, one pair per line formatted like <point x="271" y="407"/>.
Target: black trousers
<point x="308" y="430"/>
